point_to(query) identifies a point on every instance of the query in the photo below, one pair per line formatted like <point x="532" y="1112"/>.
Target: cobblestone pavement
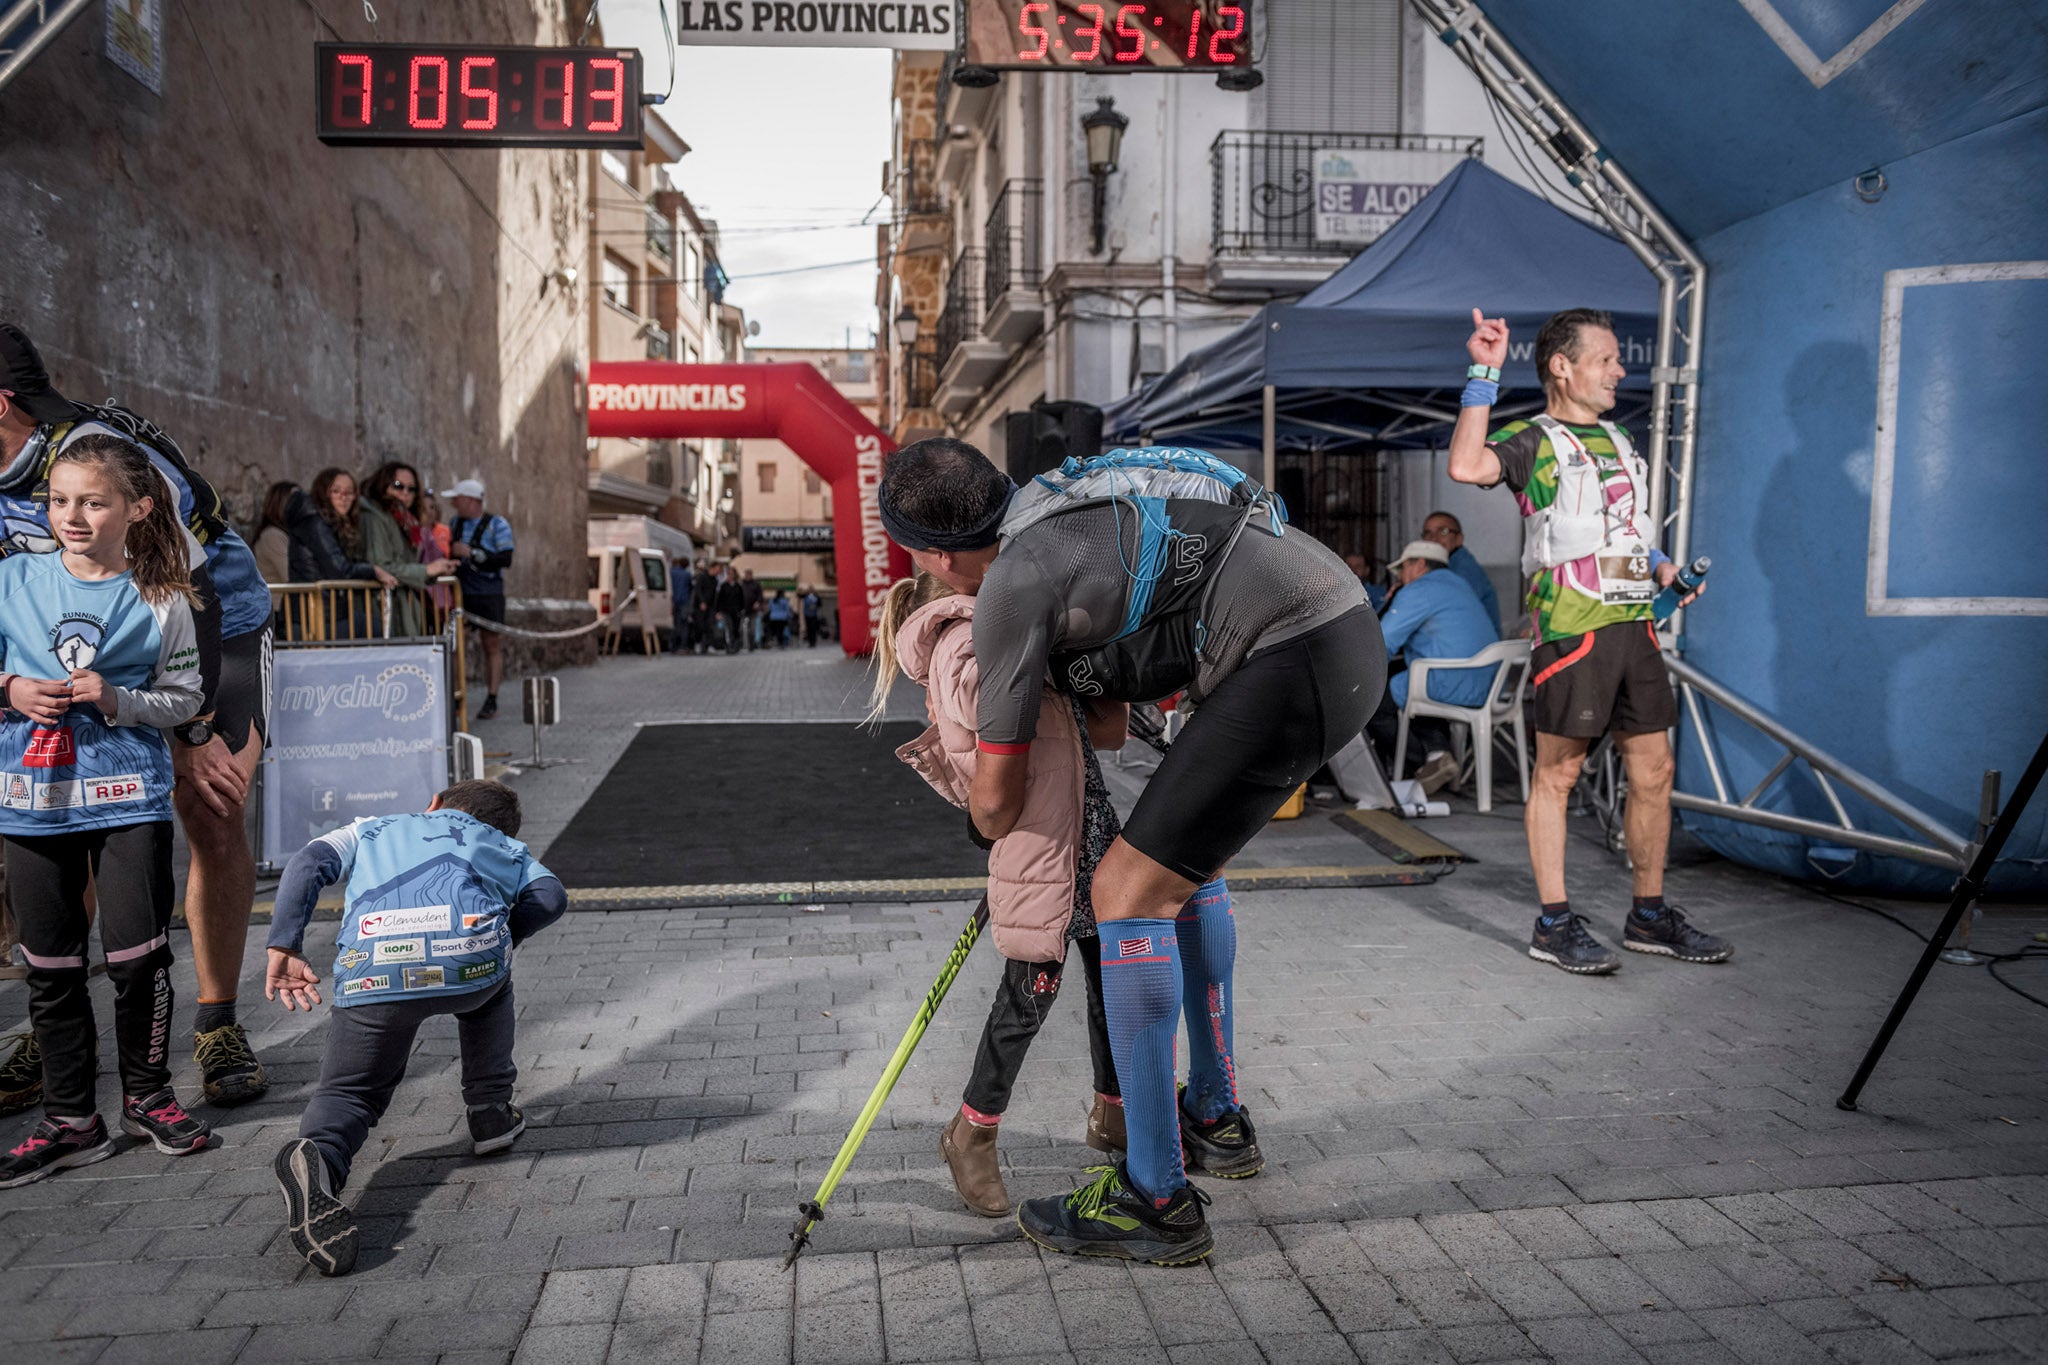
<point x="1473" y="1156"/>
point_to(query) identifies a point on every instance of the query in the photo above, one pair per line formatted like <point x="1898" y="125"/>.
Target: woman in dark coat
<point x="323" y="530"/>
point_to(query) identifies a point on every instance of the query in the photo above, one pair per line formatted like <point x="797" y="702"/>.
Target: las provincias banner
<point x="789" y="402"/>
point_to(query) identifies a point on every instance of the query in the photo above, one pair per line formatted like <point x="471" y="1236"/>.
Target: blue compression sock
<point x="1141" y="994"/>
<point x="1208" y="949"/>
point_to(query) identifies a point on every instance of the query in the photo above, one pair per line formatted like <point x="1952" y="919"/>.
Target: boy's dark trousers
<point x="367" y="1048"/>
<point x="1023" y="999"/>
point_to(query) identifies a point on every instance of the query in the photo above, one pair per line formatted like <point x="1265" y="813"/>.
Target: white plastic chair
<point x="1510" y="661"/>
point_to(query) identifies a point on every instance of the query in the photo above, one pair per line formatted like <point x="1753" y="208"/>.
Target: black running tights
<point x="130" y="869"/>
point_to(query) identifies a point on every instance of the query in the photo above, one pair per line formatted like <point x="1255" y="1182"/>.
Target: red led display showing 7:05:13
<point x="1158" y="35"/>
<point x="404" y="94"/>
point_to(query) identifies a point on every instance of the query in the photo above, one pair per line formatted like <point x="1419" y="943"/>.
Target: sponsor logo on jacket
<point x="425" y="978"/>
<point x="112" y="791"/>
<point x="348" y="959"/>
<point x="399" y="950"/>
<point x="463" y="947"/>
<point x="414" y="920"/>
<point x="477" y="971"/>
<point x="364" y="985"/>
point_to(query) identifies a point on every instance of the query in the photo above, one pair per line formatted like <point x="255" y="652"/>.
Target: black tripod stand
<point x="1969" y="886"/>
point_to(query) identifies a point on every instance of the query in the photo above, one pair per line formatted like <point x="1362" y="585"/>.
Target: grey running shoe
<point x="1567" y="944"/>
<point x="1668" y="935"/>
<point x="322" y="1228"/>
<point x="53" y="1147"/>
<point x="494" y="1127"/>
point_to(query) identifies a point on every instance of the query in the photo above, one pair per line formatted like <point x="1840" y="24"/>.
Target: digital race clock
<point x="1159" y="35"/>
<point x="405" y="94"/>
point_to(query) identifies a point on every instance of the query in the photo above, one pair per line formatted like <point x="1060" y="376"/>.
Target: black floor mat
<point x="691" y="804"/>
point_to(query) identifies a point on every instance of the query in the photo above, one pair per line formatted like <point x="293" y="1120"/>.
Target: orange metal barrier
<point x="350" y="609"/>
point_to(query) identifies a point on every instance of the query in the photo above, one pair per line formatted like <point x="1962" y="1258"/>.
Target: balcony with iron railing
<point x="660" y="236"/>
<point x="913" y="187"/>
<point x="1015" y="263"/>
<point x="1267" y="234"/>
<point x="966" y="359"/>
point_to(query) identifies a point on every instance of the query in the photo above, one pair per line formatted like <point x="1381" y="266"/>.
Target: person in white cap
<point x="482" y="545"/>
<point x="1432" y="615"/>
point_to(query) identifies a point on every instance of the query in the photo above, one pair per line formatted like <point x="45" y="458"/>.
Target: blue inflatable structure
<point x="1868" y="184"/>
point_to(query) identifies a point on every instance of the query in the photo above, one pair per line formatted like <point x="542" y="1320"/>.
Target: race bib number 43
<point x="1625" y="577"/>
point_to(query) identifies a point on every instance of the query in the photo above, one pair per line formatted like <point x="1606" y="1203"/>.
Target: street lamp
<point x="906" y="327"/>
<point x="1104" y="128"/>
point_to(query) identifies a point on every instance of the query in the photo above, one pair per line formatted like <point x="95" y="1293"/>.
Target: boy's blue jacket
<point x="436" y="900"/>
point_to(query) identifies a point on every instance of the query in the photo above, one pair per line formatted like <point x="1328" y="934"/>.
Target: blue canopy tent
<point x="1376" y="353"/>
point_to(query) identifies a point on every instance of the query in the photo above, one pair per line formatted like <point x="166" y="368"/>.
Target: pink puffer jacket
<point x="1031" y="869"/>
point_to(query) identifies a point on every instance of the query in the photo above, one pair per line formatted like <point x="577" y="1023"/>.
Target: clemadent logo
<point x="668" y="397"/>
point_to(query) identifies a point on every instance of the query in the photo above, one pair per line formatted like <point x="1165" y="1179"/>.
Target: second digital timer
<point x="1159" y="35"/>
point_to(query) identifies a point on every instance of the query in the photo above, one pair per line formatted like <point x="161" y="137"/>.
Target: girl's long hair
<point x="157" y="561"/>
<point x="347" y="530"/>
<point x="276" y="503"/>
<point x="906" y="595"/>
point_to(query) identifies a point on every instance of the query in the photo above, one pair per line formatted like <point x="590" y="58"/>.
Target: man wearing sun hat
<point x="482" y="543"/>
<point x="1433" y="614"/>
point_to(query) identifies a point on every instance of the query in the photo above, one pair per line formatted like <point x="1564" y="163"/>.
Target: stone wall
<point x="280" y="305"/>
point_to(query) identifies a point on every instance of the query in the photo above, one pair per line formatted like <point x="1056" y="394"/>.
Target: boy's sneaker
<point x="494" y="1127"/>
<point x="1567" y="944"/>
<point x="1106" y="1217"/>
<point x="1224" y="1146"/>
<point x="162" y="1120"/>
<point x="52" y="1147"/>
<point x="228" y="1066"/>
<point x="21" y="1075"/>
<point x="1670" y="936"/>
<point x="322" y="1228"/>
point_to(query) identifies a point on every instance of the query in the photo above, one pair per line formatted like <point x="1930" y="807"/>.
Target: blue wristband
<point x="1658" y="559"/>
<point x="1479" y="393"/>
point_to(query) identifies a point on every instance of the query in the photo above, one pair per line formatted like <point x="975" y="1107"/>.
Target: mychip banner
<point x="354" y="730"/>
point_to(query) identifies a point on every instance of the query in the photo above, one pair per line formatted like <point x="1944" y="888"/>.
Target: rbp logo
<point x="109" y="791"/>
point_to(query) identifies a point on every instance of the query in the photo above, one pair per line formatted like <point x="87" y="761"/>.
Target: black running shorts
<point x="489" y="606"/>
<point x="1612" y="678"/>
<point x="1261" y="733"/>
<point x="241" y="704"/>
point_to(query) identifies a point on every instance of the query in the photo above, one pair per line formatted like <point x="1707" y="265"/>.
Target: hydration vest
<point x="1578" y="521"/>
<point x="1190" y="509"/>
<point x="208" y="519"/>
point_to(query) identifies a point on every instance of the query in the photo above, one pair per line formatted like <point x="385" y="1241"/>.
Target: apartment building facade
<point x="1013" y="272"/>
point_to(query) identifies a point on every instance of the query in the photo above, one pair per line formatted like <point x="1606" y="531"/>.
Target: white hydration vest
<point x="1579" y="521"/>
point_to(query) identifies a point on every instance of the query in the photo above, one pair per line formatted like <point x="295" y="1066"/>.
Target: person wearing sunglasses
<point x="392" y="539"/>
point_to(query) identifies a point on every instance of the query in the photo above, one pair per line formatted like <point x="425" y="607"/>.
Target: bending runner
<point x="1128" y="578"/>
<point x="213" y="756"/>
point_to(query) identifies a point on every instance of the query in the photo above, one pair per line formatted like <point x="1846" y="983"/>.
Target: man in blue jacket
<point x="1447" y="531"/>
<point x="1433" y="614"/>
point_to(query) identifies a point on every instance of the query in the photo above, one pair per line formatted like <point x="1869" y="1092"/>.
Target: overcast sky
<point x="786" y="153"/>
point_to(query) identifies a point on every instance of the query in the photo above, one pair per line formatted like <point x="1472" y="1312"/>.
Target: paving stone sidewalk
<point x="1473" y="1157"/>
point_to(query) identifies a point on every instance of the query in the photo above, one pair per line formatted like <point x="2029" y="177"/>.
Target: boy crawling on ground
<point x="436" y="902"/>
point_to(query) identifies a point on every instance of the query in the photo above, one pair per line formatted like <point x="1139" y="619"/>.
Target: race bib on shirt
<point x="1625" y="577"/>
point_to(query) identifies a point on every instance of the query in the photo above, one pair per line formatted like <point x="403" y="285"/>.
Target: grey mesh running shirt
<point x="1061" y="584"/>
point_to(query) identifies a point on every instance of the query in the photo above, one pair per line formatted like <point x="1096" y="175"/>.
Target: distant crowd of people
<point x="721" y="609"/>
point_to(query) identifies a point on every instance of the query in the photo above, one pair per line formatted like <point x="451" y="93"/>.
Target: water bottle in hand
<point x="1687" y="581"/>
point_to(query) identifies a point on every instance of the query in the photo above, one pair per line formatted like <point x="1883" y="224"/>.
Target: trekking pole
<point x="812" y="1211"/>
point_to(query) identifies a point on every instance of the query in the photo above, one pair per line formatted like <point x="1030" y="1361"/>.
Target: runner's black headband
<point x="911" y="536"/>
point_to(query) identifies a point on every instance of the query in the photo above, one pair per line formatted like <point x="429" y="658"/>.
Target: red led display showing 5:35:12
<point x="1159" y="35"/>
<point x="397" y="94"/>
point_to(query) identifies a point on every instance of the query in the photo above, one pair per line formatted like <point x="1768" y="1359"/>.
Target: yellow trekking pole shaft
<point x="810" y="1213"/>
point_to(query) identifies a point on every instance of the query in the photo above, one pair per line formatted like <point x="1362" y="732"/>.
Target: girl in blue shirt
<point x="97" y="654"/>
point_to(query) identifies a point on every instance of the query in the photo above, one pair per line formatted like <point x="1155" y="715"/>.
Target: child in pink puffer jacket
<point x="1039" y="874"/>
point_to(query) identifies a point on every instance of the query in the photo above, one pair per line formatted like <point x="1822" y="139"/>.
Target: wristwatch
<point x="194" y="732"/>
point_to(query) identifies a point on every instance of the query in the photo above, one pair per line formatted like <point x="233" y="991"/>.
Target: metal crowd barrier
<point x="339" y="611"/>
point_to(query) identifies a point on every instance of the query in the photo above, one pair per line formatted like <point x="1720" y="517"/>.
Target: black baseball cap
<point x="26" y="381"/>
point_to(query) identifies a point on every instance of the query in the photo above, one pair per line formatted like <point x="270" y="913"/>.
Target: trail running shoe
<point x="21" y="1075"/>
<point x="489" y="710"/>
<point x="228" y="1066"/>
<point x="1106" y="1217"/>
<point x="162" y="1120"/>
<point x="1670" y="936"/>
<point x="1567" y="944"/>
<point x="1225" y="1146"/>
<point x="322" y="1228"/>
<point x="494" y="1127"/>
<point x="52" y="1147"/>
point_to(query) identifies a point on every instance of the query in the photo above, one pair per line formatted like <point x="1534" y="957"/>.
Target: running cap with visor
<point x="26" y="381"/>
<point x="465" y="488"/>
<point x="1423" y="549"/>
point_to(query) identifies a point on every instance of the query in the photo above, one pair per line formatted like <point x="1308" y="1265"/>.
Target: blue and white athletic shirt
<point x="85" y="772"/>
<point x="244" y="596"/>
<point x="490" y="535"/>
<point x="427" y="902"/>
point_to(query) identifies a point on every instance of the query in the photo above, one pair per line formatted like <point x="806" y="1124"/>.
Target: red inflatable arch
<point x="791" y="403"/>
